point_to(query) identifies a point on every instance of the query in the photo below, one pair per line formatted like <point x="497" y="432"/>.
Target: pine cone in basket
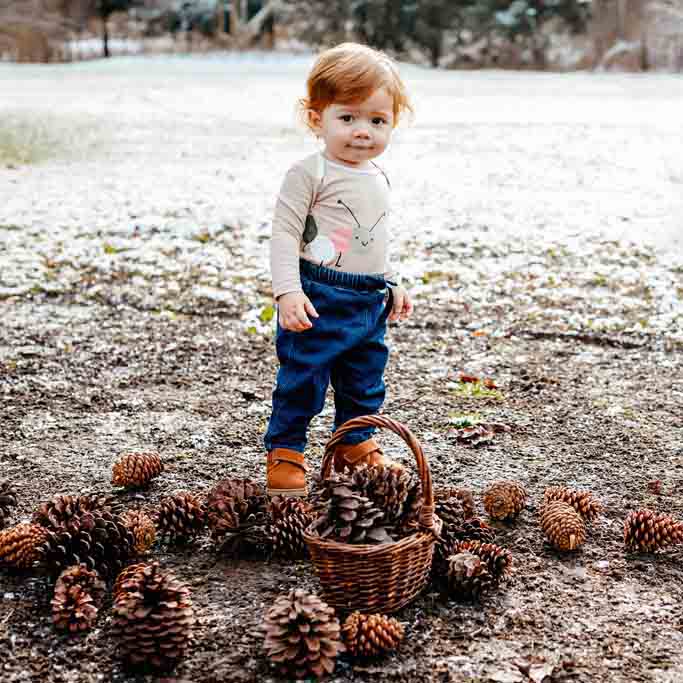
<point x="350" y="518"/>
<point x="97" y="539"/>
<point x="386" y="487"/>
<point x="21" y="546"/>
<point x="371" y="635"/>
<point x="302" y="635"/>
<point x="142" y="526"/>
<point x="468" y="577"/>
<point x="237" y="515"/>
<point x="153" y="617"/>
<point x="180" y="517"/>
<point x="78" y="594"/>
<point x="289" y="519"/>
<point x="136" y="470"/>
<point x="563" y="525"/>
<point x="8" y="499"/>
<point x="647" y="531"/>
<point x="408" y="523"/>
<point x="54" y="513"/>
<point x="504" y="499"/>
<point x="582" y="501"/>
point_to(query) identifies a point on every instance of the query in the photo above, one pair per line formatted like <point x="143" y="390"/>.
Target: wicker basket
<point x="377" y="578"/>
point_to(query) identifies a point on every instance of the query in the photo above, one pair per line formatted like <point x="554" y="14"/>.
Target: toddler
<point x="330" y="267"/>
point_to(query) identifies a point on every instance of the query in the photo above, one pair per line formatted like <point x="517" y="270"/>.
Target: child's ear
<point x="314" y="120"/>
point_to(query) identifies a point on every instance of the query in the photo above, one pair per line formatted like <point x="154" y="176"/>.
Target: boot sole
<point x="288" y="493"/>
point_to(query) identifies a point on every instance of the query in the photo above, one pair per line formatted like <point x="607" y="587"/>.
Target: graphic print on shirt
<point x="341" y="240"/>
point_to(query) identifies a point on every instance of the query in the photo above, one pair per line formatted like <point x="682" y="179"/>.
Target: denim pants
<point x="345" y="346"/>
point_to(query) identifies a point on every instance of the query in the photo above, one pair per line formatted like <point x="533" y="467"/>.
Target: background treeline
<point x="545" y="34"/>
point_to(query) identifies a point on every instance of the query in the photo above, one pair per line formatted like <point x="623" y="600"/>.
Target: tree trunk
<point x="105" y="36"/>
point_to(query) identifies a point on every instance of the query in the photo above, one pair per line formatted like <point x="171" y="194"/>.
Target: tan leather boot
<point x="364" y="453"/>
<point x="286" y="473"/>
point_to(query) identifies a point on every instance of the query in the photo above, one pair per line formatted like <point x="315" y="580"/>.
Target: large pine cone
<point x="504" y="499"/>
<point x="498" y="560"/>
<point x="97" y="539"/>
<point x="370" y="635"/>
<point x="8" y="499"/>
<point x="136" y="470"/>
<point x="302" y="635"/>
<point x="54" y="513"/>
<point x="236" y="513"/>
<point x="350" y="518"/>
<point x="21" y="546"/>
<point x="563" y="525"/>
<point x="582" y="501"/>
<point x="386" y="487"/>
<point x="153" y="617"/>
<point x="142" y="526"/>
<point x="180" y="517"/>
<point x="290" y="518"/>
<point x="647" y="531"/>
<point x="78" y="594"/>
<point x="468" y="577"/>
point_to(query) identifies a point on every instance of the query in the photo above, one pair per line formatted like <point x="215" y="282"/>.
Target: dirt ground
<point x="135" y="314"/>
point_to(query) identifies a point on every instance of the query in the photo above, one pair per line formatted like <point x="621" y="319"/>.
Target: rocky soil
<point x="539" y="222"/>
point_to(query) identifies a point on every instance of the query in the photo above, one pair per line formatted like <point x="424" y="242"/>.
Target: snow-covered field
<point x="188" y="152"/>
<point x="210" y="137"/>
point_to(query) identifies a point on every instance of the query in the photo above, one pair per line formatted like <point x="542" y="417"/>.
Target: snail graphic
<point x="325" y="248"/>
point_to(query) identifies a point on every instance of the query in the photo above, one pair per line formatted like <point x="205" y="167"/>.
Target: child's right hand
<point x="295" y="307"/>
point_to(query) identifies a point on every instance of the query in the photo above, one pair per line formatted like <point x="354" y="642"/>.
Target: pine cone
<point x="498" y="560"/>
<point x="468" y="578"/>
<point x="582" y="501"/>
<point x="136" y="470"/>
<point x="291" y="517"/>
<point x="647" y="531"/>
<point x="302" y="635"/>
<point x="21" y="546"/>
<point x="78" y="593"/>
<point x="370" y="635"/>
<point x="8" y="499"/>
<point x="125" y="574"/>
<point x="475" y="529"/>
<point x="504" y="499"/>
<point x="411" y="510"/>
<point x="153" y="617"/>
<point x="465" y="498"/>
<point x="386" y="487"/>
<point x="97" y="539"/>
<point x="563" y="525"/>
<point x="180" y="517"/>
<point x="143" y="529"/>
<point x="54" y="513"/>
<point x="350" y="518"/>
<point x="237" y="516"/>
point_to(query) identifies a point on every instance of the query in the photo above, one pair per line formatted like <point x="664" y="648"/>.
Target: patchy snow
<point x="166" y="169"/>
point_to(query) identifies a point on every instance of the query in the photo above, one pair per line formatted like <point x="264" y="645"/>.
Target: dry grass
<point x="32" y="138"/>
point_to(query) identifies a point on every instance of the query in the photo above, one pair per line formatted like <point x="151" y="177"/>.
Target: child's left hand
<point x="403" y="305"/>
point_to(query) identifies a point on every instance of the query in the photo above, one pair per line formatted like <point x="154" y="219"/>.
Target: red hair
<point x="349" y="73"/>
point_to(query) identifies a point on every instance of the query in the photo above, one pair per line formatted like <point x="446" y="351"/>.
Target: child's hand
<point x="403" y="305"/>
<point x="295" y="307"/>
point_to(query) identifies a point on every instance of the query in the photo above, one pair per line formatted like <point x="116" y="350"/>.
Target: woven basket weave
<point x="377" y="578"/>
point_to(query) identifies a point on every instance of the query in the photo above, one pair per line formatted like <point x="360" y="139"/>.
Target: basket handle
<point x="426" y="517"/>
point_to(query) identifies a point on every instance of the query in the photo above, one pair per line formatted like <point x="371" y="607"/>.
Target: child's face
<point x="355" y="133"/>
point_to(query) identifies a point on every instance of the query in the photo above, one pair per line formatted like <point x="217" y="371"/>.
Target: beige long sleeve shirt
<point x="350" y="226"/>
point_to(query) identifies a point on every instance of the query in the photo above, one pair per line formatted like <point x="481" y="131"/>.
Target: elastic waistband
<point x="357" y="281"/>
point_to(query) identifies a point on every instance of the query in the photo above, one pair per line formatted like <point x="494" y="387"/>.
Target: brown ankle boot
<point x="364" y="453"/>
<point x="286" y="473"/>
